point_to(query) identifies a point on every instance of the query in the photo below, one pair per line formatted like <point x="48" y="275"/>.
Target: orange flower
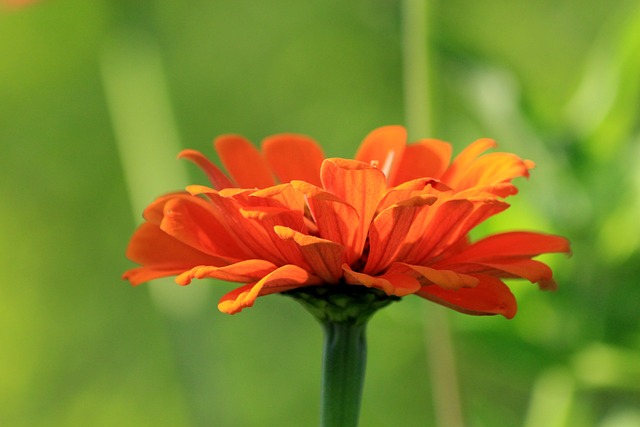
<point x="396" y="219"/>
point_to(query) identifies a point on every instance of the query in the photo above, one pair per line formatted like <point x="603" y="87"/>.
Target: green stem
<point x="343" y="369"/>
<point x="343" y="311"/>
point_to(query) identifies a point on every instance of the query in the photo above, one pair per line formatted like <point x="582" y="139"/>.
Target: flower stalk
<point x="343" y="311"/>
<point x="343" y="367"/>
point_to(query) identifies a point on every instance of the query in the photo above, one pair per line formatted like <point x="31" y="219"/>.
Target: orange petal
<point x="512" y="244"/>
<point x="482" y="210"/>
<point x="217" y="178"/>
<point x="466" y="158"/>
<point x="324" y="257"/>
<point x="360" y="185"/>
<point x="251" y="235"/>
<point x="336" y="220"/>
<point x="533" y="271"/>
<point x="243" y="161"/>
<point x="501" y="189"/>
<point x="269" y="218"/>
<point x="394" y="230"/>
<point x="444" y="223"/>
<point x="446" y="279"/>
<point x="426" y="158"/>
<point x="283" y="195"/>
<point x="384" y="148"/>
<point x="292" y="156"/>
<point x="396" y="281"/>
<point x="154" y="212"/>
<point x="409" y="189"/>
<point x="244" y="271"/>
<point x="283" y="279"/>
<point x="194" y="222"/>
<point x="490" y="296"/>
<point x="161" y="255"/>
<point x="490" y="169"/>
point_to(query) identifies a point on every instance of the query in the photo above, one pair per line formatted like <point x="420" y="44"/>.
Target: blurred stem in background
<point x="417" y="102"/>
<point x="147" y="140"/>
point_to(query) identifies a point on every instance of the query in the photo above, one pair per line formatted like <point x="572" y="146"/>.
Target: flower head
<point x="397" y="219"/>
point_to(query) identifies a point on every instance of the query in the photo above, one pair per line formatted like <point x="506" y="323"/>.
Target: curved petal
<point x="268" y="218"/>
<point x="384" y="148"/>
<point x="283" y="279"/>
<point x="446" y="279"/>
<point x="360" y="185"/>
<point x="154" y="212"/>
<point x="512" y="244"/>
<point x="425" y="158"/>
<point x="250" y="234"/>
<point x="409" y="189"/>
<point x="244" y="271"/>
<point x="192" y="221"/>
<point x="161" y="255"/>
<point x="501" y="189"/>
<point x="292" y="156"/>
<point x="336" y="220"/>
<point x="394" y="230"/>
<point x="481" y="211"/>
<point x="444" y="221"/>
<point x="243" y="161"/>
<point x="490" y="296"/>
<point x="466" y="158"/>
<point x="215" y="175"/>
<point x="398" y="280"/>
<point x="324" y="257"/>
<point x="492" y="168"/>
<point x="282" y="195"/>
<point x="533" y="271"/>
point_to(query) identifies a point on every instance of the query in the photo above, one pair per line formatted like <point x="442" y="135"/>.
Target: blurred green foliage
<point x="556" y="82"/>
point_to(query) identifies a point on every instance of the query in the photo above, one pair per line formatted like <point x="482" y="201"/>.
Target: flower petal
<point x="394" y="230"/>
<point x="491" y="296"/>
<point x="161" y="255"/>
<point x="425" y="158"/>
<point x="482" y="210"/>
<point x="466" y="158"/>
<point x="269" y="218"/>
<point x="384" y="148"/>
<point x="336" y="220"/>
<point x="492" y="168"/>
<point x="244" y="271"/>
<point x="283" y="279"/>
<point x="292" y="156"/>
<point x="360" y="185"/>
<point x="283" y="195"/>
<point x="443" y="222"/>
<point x="398" y="280"/>
<point x="409" y="189"/>
<point x="446" y="279"/>
<point x="533" y="271"/>
<point x="512" y="244"/>
<point x="192" y="221"/>
<point x="243" y="161"/>
<point x="217" y="178"/>
<point x="324" y="257"/>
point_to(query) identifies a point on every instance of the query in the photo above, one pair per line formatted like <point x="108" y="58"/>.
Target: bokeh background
<point x="96" y="99"/>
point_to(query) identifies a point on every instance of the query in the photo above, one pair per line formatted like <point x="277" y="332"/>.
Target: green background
<point x="96" y="99"/>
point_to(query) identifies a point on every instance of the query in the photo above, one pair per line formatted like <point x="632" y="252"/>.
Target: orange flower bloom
<point x="396" y="219"/>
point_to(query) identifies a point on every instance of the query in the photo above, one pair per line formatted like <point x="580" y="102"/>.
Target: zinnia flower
<point x="397" y="219"/>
